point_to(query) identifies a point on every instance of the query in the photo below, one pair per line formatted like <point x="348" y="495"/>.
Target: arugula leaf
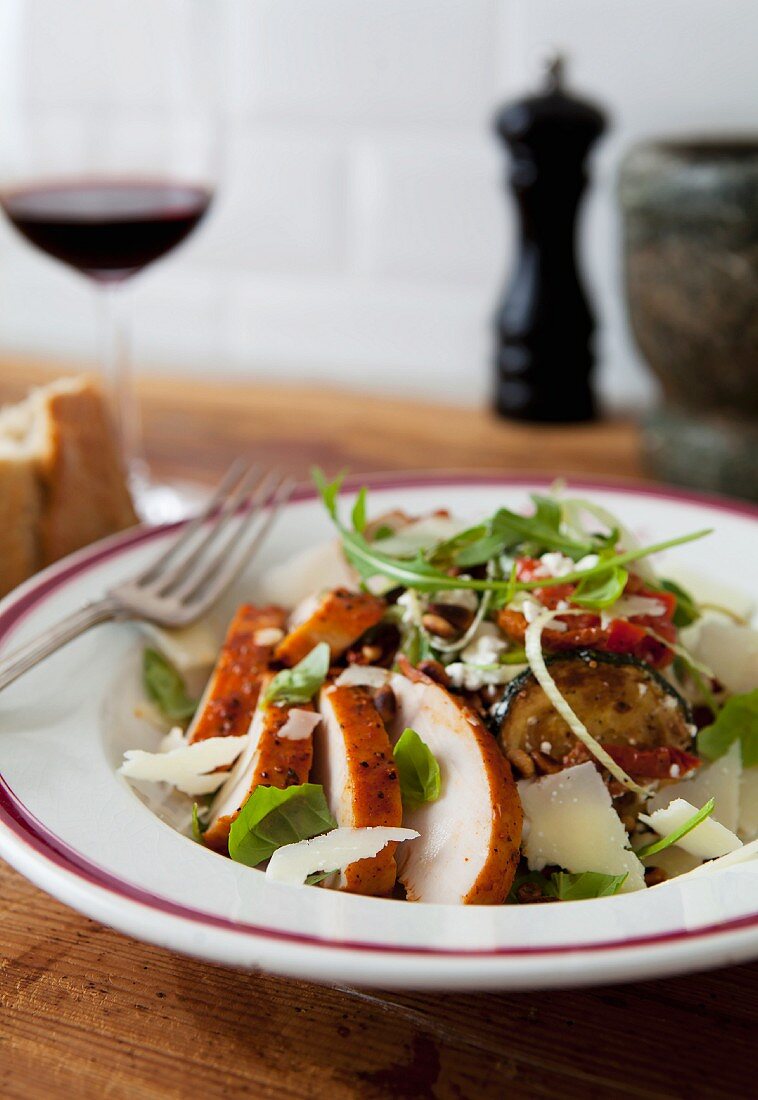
<point x="619" y="559"/>
<point x="300" y="683"/>
<point x="329" y="491"/>
<point x="602" y="588"/>
<point x="687" y="610"/>
<point x="538" y="530"/>
<point x="418" y="771"/>
<point x="272" y="817"/>
<point x="197" y="828"/>
<point x="588" y="884"/>
<point x="666" y="841"/>
<point x="359" y="511"/>
<point x="447" y="552"/>
<point x="416" y="645"/>
<point x="165" y="687"/>
<point x="421" y="574"/>
<point x="738" y="718"/>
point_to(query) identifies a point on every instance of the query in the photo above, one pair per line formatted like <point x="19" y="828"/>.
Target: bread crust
<point x="62" y="484"/>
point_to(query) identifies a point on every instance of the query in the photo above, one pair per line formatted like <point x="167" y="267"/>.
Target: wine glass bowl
<point x="109" y="145"/>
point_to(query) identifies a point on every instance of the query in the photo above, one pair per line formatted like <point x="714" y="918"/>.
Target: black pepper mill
<point x="545" y="326"/>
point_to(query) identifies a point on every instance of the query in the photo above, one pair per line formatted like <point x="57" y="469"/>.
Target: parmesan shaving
<point x="299" y="725"/>
<point x="333" y="851"/>
<point x="190" y="769"/>
<point x="708" y="840"/>
<point x="536" y="659"/>
<point x="362" y="676"/>
<point x="570" y="822"/>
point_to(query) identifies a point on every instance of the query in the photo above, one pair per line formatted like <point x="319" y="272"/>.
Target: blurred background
<point x="361" y="233"/>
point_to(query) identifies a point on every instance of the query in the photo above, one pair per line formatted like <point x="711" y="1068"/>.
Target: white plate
<point x="81" y="833"/>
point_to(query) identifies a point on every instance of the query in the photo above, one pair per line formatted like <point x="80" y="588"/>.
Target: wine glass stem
<point x="119" y="380"/>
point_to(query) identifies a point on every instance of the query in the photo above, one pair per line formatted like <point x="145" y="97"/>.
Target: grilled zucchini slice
<point x="620" y="699"/>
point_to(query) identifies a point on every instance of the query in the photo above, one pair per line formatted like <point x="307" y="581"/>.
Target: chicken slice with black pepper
<point x="353" y="760"/>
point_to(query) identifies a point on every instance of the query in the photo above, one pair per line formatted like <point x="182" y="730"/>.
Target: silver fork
<point x="188" y="577"/>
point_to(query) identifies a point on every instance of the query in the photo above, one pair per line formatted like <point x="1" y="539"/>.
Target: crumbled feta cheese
<point x="589" y="561"/>
<point x="268" y="635"/>
<point x="546" y="747"/>
<point x="557" y="564"/>
<point x="485" y="647"/>
<point x="472" y="677"/>
<point x="411" y="606"/>
<point x="675" y="771"/>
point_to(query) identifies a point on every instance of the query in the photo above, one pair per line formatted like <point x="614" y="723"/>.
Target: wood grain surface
<point x="86" y="1012"/>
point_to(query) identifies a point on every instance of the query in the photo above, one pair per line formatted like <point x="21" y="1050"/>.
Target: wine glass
<point x="109" y="146"/>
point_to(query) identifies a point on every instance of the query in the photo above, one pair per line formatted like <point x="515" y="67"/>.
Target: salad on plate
<point x="518" y="711"/>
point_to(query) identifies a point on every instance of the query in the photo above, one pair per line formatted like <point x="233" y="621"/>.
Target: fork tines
<point x="214" y="547"/>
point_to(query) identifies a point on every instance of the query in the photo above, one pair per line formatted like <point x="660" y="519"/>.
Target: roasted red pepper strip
<point x="641" y="764"/>
<point x="630" y="635"/>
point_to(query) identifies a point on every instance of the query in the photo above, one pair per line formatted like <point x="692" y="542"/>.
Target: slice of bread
<point x="62" y="484"/>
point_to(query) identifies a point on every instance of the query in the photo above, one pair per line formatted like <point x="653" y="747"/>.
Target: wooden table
<point x="86" y="1012"/>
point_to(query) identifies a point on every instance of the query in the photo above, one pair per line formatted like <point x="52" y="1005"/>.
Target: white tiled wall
<point x="361" y="234"/>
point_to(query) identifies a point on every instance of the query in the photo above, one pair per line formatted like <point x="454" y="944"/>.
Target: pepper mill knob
<point x="544" y="324"/>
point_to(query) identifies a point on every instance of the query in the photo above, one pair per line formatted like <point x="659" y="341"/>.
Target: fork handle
<point x="31" y="653"/>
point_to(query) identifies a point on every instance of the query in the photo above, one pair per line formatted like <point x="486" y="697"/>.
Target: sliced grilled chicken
<point x="279" y="754"/>
<point x="468" y="850"/>
<point x="353" y="760"/>
<point x="227" y="705"/>
<point x="339" y="617"/>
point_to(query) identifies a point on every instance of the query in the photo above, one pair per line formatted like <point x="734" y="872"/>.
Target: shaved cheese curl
<point x="536" y="659"/>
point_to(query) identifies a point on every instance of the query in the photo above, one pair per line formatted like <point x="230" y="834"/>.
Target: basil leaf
<point x="300" y="684"/>
<point x="587" y="884"/>
<point x="738" y="718"/>
<point x="359" y="511"/>
<point x="165" y="687"/>
<point x="666" y="841"/>
<point x="686" y="611"/>
<point x="418" y="771"/>
<point x="273" y="817"/>
<point x="602" y="588"/>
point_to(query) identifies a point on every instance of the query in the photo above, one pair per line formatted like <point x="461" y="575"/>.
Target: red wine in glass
<point x="107" y="229"/>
